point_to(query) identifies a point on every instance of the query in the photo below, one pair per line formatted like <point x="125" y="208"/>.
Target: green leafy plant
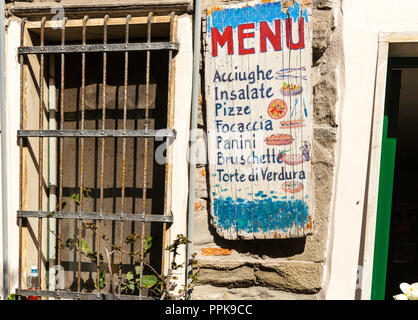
<point x="12" y="297"/>
<point x="142" y="276"/>
<point x="76" y="196"/>
<point x="134" y="283"/>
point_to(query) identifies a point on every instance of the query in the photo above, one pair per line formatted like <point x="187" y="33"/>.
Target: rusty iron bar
<point x="161" y="133"/>
<point x="125" y="114"/>
<point x="61" y="152"/>
<point x="41" y="153"/>
<point x="90" y="48"/>
<point x="20" y="220"/>
<point x="147" y="102"/>
<point x="78" y="295"/>
<point x="147" y="98"/>
<point x="106" y="19"/>
<point x="83" y="106"/>
<point x="96" y="216"/>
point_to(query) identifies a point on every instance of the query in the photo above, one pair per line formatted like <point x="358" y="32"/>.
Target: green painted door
<point x="387" y="169"/>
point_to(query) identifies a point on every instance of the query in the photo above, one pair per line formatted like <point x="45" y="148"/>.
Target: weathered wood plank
<point x="259" y="120"/>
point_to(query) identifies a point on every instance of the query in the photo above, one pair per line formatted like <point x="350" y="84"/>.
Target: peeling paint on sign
<point x="259" y="119"/>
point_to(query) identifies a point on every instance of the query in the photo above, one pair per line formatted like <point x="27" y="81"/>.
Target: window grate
<point x="80" y="134"/>
<point x="115" y="47"/>
<point x="78" y="296"/>
<point x="163" y="133"/>
<point x="95" y="216"/>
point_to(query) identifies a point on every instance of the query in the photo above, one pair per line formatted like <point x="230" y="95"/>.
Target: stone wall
<point x="283" y="268"/>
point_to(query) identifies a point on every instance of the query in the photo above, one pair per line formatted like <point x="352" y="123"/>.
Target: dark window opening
<point x="403" y="238"/>
<point x="90" y="184"/>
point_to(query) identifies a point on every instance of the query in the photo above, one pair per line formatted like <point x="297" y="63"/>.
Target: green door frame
<point x="386" y="177"/>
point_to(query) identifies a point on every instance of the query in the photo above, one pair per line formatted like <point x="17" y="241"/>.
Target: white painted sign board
<point x="259" y="119"/>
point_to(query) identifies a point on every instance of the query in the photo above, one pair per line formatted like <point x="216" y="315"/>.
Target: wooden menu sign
<point x="259" y="119"/>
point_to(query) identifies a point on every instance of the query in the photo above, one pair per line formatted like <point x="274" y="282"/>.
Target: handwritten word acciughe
<point x="251" y="77"/>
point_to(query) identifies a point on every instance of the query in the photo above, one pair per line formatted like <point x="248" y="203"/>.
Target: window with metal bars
<point x="97" y="100"/>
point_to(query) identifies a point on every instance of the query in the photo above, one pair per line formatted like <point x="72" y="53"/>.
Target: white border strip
<point x="375" y="152"/>
<point x="182" y="109"/>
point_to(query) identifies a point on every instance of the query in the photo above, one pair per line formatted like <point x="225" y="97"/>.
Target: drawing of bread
<point x="279" y="139"/>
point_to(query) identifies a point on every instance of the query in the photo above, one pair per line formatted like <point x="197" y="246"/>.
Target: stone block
<point x="324" y="144"/>
<point x="239" y="277"/>
<point x="323" y="4"/>
<point x="322" y="26"/>
<point x="295" y="277"/>
<point x="208" y="292"/>
<point x="201" y="147"/>
<point x="324" y="101"/>
<point x="202" y="235"/>
<point x="200" y="205"/>
<point x="201" y="184"/>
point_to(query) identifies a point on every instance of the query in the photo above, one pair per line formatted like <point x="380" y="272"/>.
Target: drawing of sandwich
<point x="279" y="139"/>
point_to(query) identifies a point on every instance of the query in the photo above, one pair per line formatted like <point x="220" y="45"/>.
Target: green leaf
<point x="131" y="286"/>
<point x="76" y="198"/>
<point x="87" y="192"/>
<point x="147" y="244"/>
<point x="132" y="238"/>
<point x="149" y="281"/>
<point x="93" y="257"/>
<point x="102" y="280"/>
<point x="11" y="297"/>
<point x="85" y="247"/>
<point x="138" y="269"/>
<point x="129" y="276"/>
<point x="64" y="204"/>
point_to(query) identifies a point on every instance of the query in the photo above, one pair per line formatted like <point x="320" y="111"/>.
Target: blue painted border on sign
<point x="271" y="215"/>
<point x="268" y="11"/>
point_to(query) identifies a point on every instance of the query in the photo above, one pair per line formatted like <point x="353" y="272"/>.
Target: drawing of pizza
<point x="277" y="109"/>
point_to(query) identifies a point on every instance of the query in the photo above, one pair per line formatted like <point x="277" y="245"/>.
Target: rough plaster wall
<point x="284" y="268"/>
